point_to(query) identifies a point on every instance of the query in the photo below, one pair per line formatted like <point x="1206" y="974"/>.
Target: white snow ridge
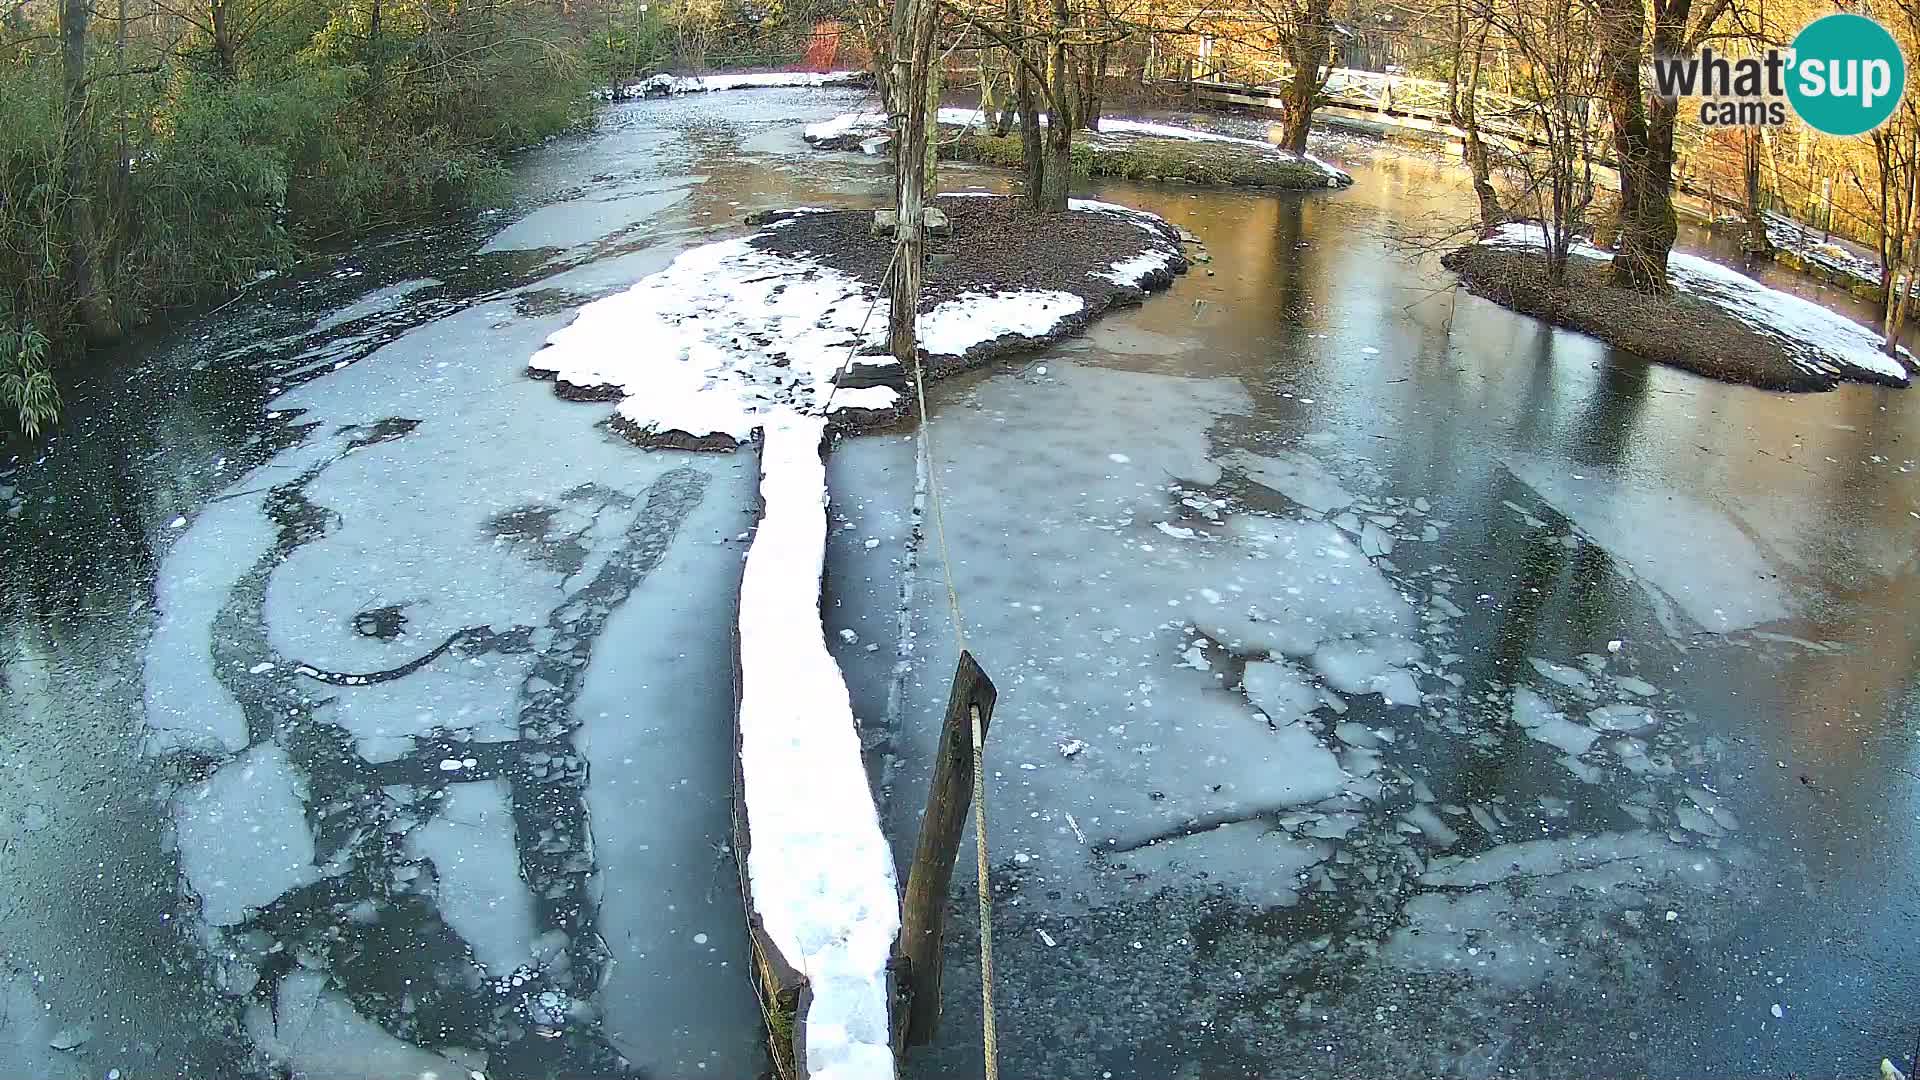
<point x="820" y="874"/>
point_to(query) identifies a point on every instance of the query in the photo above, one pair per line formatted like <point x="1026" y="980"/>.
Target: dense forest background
<point x="156" y="153"/>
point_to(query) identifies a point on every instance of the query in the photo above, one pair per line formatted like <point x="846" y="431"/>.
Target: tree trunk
<point x="1643" y="151"/>
<point x="913" y="47"/>
<point x="1307" y="47"/>
<point x="1025" y="94"/>
<point x="96" y="314"/>
<point x="225" y="55"/>
<point x="930" y="122"/>
<point x="1755" y="241"/>
<point x="1057" y="179"/>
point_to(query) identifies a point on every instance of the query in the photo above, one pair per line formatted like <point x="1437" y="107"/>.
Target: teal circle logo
<point x="1847" y="74"/>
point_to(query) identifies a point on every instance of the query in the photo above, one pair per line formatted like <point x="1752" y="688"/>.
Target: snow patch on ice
<point x="821" y="875"/>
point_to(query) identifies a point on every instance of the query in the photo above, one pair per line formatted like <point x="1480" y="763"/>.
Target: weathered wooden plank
<point x="949" y="797"/>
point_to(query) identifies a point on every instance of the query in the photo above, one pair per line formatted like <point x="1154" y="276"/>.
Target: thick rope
<point x="989" y="1033"/>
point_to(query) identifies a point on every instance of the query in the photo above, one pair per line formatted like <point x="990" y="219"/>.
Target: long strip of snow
<point x="664" y="85"/>
<point x="821" y="875"/>
<point x="873" y="123"/>
<point x="1819" y="341"/>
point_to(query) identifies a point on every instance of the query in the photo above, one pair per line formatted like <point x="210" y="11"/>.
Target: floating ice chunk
<point x="1266" y="863"/>
<point x="1279" y="690"/>
<point x="1428" y="822"/>
<point x="1370" y="666"/>
<point x="1295" y="475"/>
<point x="318" y="1034"/>
<point x="1541" y="720"/>
<point x="1627" y="719"/>
<point x="482" y="895"/>
<point x="243" y="834"/>
<point x="1560" y="673"/>
<point x="1375" y="541"/>
<point x="1178" y="532"/>
<point x="1678" y="548"/>
<point x="1632" y="685"/>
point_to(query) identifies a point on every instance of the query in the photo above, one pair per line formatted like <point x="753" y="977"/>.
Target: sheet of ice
<point x="1266" y="863"/>
<point x="187" y="706"/>
<point x="956" y="325"/>
<point x="243" y="834"/>
<point x="1821" y="341"/>
<point x="1278" y="689"/>
<point x="318" y="1035"/>
<point x="1678" y="548"/>
<point x="1524" y="913"/>
<point x="656" y="715"/>
<point x="1296" y="475"/>
<point x="820" y="872"/>
<point x="481" y="894"/>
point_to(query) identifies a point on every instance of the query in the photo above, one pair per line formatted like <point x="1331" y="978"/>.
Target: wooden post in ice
<point x="923" y="917"/>
<point x="913" y="57"/>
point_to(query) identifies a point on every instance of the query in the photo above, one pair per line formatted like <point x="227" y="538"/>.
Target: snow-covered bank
<point x="793" y="319"/>
<point x="820" y="879"/>
<point x="1718" y="321"/>
<point x="868" y="132"/>
<point x="665" y="85"/>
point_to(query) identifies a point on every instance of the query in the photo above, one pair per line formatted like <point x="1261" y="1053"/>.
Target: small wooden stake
<point x="924" y="916"/>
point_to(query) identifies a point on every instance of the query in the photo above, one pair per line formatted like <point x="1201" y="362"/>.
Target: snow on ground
<point x="730" y="333"/>
<point x="481" y="894"/>
<point x="665" y="85"/>
<point x="243" y="834"/>
<point x="1820" y="341"/>
<point x="820" y="875"/>
<point x="873" y="126"/>
<point x="1684" y="553"/>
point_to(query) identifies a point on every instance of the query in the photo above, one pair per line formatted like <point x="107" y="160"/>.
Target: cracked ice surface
<point x="1081" y="610"/>
<point x="1683" y="552"/>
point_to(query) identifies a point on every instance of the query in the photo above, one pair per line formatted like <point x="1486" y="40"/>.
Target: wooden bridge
<point x="1383" y="99"/>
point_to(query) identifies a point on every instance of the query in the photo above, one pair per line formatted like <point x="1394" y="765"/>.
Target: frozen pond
<point x="1389" y="684"/>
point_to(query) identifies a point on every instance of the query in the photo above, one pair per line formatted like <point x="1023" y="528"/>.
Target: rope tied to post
<point x="989" y="1034"/>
